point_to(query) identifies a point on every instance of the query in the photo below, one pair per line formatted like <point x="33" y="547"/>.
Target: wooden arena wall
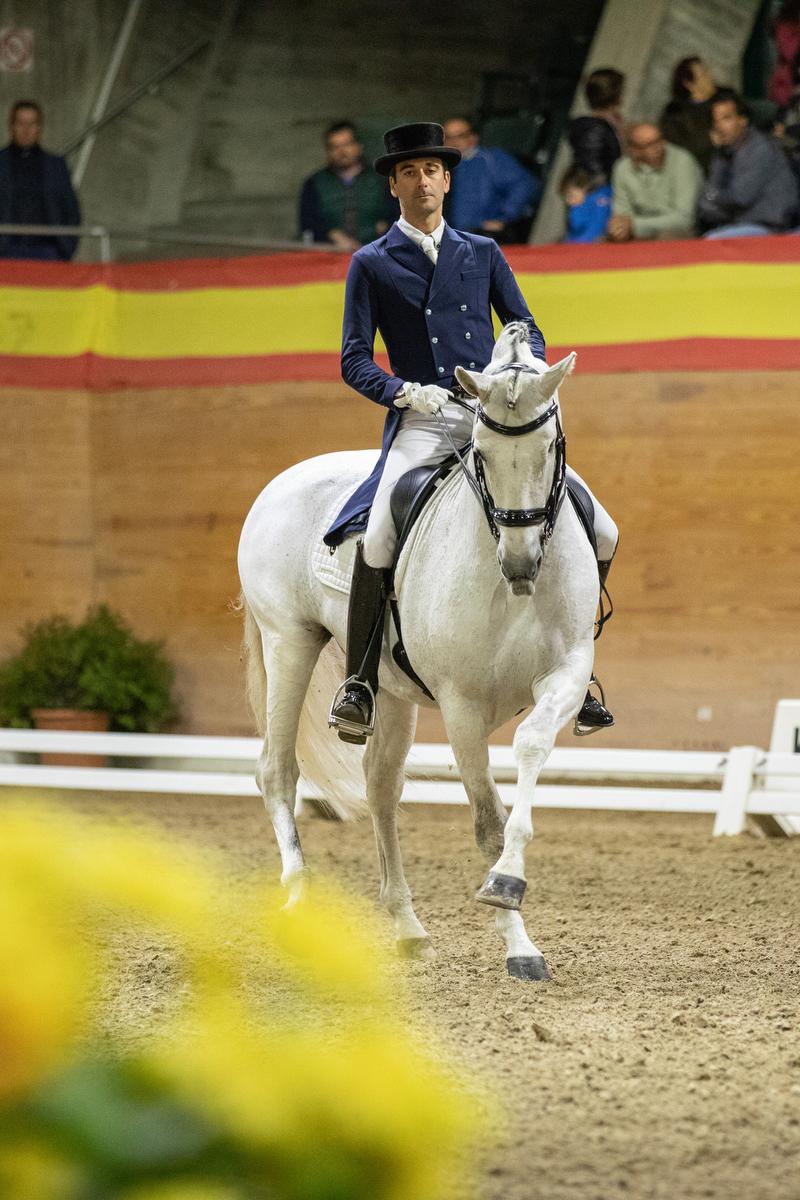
<point x="136" y="498"/>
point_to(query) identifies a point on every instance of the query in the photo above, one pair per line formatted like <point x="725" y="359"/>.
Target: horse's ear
<point x="553" y="377"/>
<point x="471" y="381"/>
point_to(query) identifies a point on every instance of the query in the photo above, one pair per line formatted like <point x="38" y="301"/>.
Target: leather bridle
<point x="519" y="518"/>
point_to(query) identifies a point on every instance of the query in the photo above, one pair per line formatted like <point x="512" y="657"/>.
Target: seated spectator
<point x="750" y="188"/>
<point x="35" y="189"/>
<point x="787" y="127"/>
<point x="345" y="203"/>
<point x="588" y="205"/>
<point x="786" y="31"/>
<point x="655" y="188"/>
<point x="686" y="120"/>
<point x="597" y="140"/>
<point x="490" y="193"/>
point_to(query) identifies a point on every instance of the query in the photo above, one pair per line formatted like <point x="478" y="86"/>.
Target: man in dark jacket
<point x="35" y="189"/>
<point x="345" y="203"/>
<point x="750" y="188"/>
<point x="430" y="291"/>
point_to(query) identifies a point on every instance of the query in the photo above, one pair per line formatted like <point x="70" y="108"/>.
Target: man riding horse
<point x="429" y="290"/>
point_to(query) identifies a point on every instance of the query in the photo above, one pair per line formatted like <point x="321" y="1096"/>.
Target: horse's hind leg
<point x="523" y="959"/>
<point x="384" y="763"/>
<point x="289" y="658"/>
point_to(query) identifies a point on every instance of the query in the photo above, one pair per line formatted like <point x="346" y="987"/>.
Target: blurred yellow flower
<point x="328" y="941"/>
<point x="30" y="1170"/>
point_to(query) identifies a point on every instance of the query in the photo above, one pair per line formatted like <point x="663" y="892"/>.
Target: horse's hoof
<point x="419" y="949"/>
<point x="530" y="969"/>
<point x="502" y="891"/>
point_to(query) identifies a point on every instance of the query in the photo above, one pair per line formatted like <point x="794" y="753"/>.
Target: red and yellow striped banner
<point x="641" y="307"/>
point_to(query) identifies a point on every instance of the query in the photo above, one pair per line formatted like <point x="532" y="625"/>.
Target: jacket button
<point x="472" y="364"/>
<point x="467" y="336"/>
<point x="427" y="312"/>
<point x="434" y="340"/>
<point x="463" y="308"/>
<point x="441" y="370"/>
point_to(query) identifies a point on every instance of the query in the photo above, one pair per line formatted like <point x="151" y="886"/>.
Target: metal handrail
<point x="106" y="235"/>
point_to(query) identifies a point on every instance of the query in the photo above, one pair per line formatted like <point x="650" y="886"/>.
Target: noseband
<point x="518" y="518"/>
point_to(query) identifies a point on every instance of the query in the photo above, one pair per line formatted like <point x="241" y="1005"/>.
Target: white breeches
<point x="420" y="442"/>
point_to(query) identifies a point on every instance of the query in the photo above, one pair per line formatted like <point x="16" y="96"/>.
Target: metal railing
<point x="106" y="236"/>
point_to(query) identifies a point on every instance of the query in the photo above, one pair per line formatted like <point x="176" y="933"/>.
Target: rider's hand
<point x="425" y="398"/>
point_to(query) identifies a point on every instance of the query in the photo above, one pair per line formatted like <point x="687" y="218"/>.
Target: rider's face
<point x="420" y="184"/>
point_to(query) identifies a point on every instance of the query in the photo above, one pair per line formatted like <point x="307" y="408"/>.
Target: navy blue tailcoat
<point x="432" y="319"/>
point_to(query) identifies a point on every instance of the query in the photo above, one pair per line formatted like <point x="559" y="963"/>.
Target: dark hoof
<point x="530" y="969"/>
<point x="502" y="891"/>
<point x="419" y="949"/>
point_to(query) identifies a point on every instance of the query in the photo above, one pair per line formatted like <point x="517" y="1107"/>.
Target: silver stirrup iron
<point x="352" y="727"/>
<point x="587" y="730"/>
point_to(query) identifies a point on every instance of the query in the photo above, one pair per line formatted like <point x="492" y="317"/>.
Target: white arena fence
<point x="744" y="786"/>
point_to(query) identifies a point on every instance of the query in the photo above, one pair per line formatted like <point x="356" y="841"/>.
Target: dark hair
<point x="603" y="87"/>
<point x="18" y="104"/>
<point x="726" y="95"/>
<point x="682" y="76"/>
<point x="339" y="127"/>
<point x="576" y="176"/>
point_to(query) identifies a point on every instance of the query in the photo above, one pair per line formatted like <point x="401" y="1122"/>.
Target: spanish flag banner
<point x="648" y="306"/>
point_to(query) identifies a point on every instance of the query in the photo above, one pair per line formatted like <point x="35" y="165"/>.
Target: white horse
<point x="494" y="619"/>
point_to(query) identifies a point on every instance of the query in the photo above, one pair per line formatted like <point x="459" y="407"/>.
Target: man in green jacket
<point x="346" y="203"/>
<point x="656" y="186"/>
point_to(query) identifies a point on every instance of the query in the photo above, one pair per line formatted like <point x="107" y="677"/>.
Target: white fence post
<point x="737" y="784"/>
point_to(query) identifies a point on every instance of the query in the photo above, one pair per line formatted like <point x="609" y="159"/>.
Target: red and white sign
<point x="16" y="49"/>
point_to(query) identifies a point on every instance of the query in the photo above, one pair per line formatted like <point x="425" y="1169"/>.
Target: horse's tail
<point x="253" y="658"/>
<point x="333" y="767"/>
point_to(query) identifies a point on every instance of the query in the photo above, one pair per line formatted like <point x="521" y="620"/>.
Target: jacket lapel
<point x="408" y="254"/>
<point x="452" y="252"/>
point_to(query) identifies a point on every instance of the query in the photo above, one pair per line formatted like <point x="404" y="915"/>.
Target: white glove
<point x="425" y="398"/>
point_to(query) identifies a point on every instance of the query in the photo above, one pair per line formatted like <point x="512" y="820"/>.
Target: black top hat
<point x="424" y="139"/>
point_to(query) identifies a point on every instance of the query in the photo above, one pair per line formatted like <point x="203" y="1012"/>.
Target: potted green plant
<point x="93" y="675"/>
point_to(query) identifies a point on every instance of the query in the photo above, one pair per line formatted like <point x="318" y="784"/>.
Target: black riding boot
<point x="594" y="715"/>
<point x="353" y="710"/>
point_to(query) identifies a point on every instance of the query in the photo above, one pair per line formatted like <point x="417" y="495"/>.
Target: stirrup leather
<point x="354" y="728"/>
<point x="587" y="730"/>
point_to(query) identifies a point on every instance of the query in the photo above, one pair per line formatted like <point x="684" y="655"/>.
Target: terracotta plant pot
<point x="72" y="720"/>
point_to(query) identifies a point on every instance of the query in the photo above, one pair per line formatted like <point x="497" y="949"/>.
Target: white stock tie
<point x="430" y="248"/>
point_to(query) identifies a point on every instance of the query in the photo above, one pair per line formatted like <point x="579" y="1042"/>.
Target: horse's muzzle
<point x="521" y="571"/>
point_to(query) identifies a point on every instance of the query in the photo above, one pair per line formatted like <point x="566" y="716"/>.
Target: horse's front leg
<point x="467" y="737"/>
<point x="557" y="698"/>
<point x="384" y="768"/>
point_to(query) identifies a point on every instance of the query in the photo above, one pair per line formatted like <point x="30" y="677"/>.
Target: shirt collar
<point x="417" y="235"/>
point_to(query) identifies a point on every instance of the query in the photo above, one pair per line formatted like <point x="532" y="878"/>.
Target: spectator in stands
<point x="597" y="140"/>
<point x="35" y="189"/>
<point x="588" y="205"/>
<point x="750" y="188"/>
<point x="345" y="203"/>
<point x="787" y="126"/>
<point x="787" y="44"/>
<point x="686" y="120"/>
<point x="655" y="187"/>
<point x="491" y="193"/>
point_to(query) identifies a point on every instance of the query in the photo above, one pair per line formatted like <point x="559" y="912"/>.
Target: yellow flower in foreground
<point x="328" y="941"/>
<point x="29" y="1170"/>
<point x="186" y="1189"/>
<point x="285" y="1094"/>
<point x="44" y="976"/>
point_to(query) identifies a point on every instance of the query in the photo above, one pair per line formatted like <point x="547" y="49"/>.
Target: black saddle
<point x="410" y="495"/>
